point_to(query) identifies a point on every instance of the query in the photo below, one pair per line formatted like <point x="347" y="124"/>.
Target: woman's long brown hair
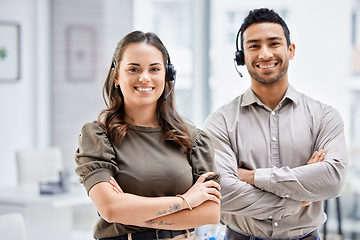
<point x="112" y="119"/>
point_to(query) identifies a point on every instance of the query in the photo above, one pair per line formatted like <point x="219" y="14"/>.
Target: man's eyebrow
<point x="252" y="41"/>
<point x="268" y="39"/>
<point x="274" y="38"/>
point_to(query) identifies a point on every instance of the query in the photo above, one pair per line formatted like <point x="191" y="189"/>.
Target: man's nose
<point x="265" y="53"/>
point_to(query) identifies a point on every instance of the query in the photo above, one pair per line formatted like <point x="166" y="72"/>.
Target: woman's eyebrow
<point x="155" y="64"/>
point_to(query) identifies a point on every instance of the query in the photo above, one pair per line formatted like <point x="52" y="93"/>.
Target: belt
<point x="156" y="234"/>
<point x="233" y="235"/>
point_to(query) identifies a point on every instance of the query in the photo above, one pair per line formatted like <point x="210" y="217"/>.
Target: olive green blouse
<point x="143" y="164"/>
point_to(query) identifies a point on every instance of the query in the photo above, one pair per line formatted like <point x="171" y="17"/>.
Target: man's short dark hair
<point x="264" y="15"/>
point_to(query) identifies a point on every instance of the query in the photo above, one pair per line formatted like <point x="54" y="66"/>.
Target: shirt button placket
<point x="274" y="134"/>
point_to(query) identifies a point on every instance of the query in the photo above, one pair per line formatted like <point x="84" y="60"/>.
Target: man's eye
<point x="275" y="44"/>
<point x="253" y="46"/>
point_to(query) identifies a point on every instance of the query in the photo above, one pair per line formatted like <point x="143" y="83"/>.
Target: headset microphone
<point x="167" y="95"/>
<point x="237" y="69"/>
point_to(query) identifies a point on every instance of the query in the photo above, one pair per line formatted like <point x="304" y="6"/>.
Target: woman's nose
<point x="144" y="77"/>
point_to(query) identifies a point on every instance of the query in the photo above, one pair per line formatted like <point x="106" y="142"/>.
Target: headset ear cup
<point x="240" y="58"/>
<point x="170" y="72"/>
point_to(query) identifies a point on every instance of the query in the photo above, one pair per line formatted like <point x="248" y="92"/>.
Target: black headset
<point x="239" y="54"/>
<point x="170" y="74"/>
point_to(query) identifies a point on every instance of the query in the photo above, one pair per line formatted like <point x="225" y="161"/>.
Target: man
<point x="279" y="152"/>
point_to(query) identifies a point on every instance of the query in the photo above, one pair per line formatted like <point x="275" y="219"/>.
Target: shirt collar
<point x="250" y="98"/>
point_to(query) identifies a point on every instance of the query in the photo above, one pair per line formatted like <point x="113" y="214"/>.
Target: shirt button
<point x="287" y="196"/>
<point x="273" y="113"/>
<point x="274" y="139"/>
<point x="270" y="217"/>
<point x="276" y="224"/>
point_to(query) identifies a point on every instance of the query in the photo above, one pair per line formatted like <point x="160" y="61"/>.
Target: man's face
<point x="266" y="52"/>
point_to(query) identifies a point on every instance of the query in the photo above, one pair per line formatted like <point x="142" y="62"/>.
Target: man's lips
<point x="266" y="65"/>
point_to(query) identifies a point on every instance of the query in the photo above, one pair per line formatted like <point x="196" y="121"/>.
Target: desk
<point x="46" y="216"/>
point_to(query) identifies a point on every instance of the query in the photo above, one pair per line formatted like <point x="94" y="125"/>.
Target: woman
<point x="163" y="165"/>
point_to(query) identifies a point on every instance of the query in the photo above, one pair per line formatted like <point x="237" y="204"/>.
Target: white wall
<point x="18" y="98"/>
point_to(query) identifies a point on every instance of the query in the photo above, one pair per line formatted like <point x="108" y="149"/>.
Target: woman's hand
<point x="115" y="185"/>
<point x="203" y="191"/>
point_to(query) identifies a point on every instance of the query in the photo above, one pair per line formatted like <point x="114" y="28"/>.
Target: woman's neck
<point x="145" y="117"/>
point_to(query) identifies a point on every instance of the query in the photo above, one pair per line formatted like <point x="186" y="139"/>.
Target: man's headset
<point x="170" y="74"/>
<point x="239" y="55"/>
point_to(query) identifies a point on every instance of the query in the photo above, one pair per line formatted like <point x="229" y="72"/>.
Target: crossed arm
<point x="159" y="212"/>
<point x="248" y="176"/>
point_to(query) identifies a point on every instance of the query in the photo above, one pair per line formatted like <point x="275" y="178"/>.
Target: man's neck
<point x="270" y="95"/>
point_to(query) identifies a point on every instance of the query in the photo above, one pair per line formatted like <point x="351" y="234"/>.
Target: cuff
<point x="262" y="178"/>
<point x="98" y="176"/>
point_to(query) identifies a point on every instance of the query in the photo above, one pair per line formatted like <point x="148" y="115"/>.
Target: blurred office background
<point x="65" y="49"/>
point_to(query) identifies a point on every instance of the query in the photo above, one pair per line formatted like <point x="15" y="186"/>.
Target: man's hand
<point x="246" y="175"/>
<point x="318" y="156"/>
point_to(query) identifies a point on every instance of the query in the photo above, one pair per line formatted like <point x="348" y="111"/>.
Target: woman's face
<point x="141" y="75"/>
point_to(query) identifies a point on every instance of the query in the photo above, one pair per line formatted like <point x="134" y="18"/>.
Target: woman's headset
<point x="170" y="74"/>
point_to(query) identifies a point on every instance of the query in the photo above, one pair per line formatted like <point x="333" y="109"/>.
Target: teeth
<point x="144" y="89"/>
<point x="267" y="66"/>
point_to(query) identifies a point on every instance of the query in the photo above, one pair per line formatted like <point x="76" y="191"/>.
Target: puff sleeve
<point x="95" y="157"/>
<point x="201" y="157"/>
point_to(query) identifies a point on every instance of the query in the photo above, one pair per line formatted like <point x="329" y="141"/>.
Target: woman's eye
<point x="155" y="69"/>
<point x="133" y="69"/>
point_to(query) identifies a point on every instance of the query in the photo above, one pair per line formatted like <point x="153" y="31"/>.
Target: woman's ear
<point x="116" y="82"/>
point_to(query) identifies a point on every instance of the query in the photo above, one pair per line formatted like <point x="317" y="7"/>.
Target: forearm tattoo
<point x="172" y="209"/>
<point x="152" y="223"/>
